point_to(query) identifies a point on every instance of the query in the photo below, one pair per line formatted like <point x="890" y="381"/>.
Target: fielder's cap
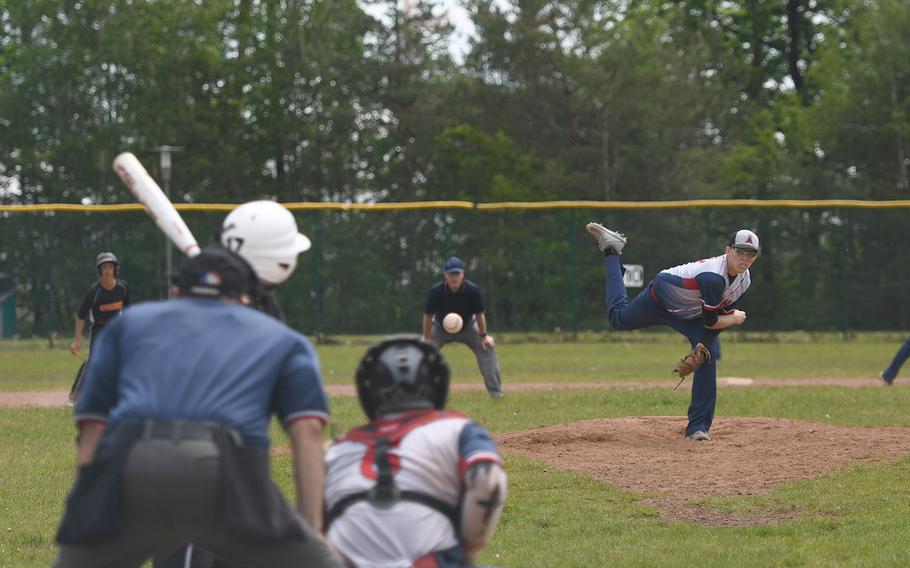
<point x="105" y="257"/>
<point x="745" y="239"/>
<point x="216" y="272"/>
<point x="454" y="264"/>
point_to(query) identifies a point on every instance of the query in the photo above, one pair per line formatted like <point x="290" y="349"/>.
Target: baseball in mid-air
<point x="452" y="323"/>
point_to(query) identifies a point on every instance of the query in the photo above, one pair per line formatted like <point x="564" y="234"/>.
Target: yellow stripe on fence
<point x="505" y="206"/>
<point x="693" y="203"/>
<point x="226" y="207"/>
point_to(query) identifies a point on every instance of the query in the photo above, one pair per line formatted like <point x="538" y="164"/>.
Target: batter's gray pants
<point x="171" y="497"/>
<point x="486" y="359"/>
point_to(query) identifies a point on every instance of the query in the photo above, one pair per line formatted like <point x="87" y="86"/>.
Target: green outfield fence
<point x="829" y="265"/>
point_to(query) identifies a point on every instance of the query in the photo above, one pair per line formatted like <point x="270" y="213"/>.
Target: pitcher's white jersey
<point x="429" y="452"/>
<point x="685" y="289"/>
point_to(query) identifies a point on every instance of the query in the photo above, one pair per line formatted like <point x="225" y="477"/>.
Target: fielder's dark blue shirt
<point x="204" y="360"/>
<point x="465" y="302"/>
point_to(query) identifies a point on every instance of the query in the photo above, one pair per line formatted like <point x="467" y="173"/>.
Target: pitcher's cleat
<point x="607" y="240"/>
<point x="699" y="436"/>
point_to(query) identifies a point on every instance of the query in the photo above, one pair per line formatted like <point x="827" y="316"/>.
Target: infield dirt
<point x="746" y="456"/>
<point x="648" y="455"/>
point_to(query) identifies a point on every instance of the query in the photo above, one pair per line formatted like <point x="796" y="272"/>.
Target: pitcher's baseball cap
<point x="745" y="239"/>
<point x="454" y="264"/>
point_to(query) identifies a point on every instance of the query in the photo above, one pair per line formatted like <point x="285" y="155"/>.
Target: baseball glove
<point x="693" y="360"/>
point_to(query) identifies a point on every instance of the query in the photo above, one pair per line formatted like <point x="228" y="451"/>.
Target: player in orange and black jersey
<point x="104" y="300"/>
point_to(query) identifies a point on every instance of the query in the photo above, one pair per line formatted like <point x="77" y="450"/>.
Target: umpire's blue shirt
<point x="465" y="302"/>
<point x="206" y="360"/>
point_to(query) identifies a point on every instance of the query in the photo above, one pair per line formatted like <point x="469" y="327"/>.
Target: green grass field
<point x="854" y="517"/>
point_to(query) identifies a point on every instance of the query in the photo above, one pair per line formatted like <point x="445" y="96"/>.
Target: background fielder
<point x="457" y="294"/>
<point x="890" y="373"/>
<point x="104" y="300"/>
<point x="697" y="299"/>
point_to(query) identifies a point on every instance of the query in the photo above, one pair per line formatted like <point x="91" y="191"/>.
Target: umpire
<point x="457" y="294"/>
<point x="173" y="427"/>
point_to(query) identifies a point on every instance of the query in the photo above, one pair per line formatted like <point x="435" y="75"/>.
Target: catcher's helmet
<point x="106" y="257"/>
<point x="265" y="234"/>
<point x="401" y="373"/>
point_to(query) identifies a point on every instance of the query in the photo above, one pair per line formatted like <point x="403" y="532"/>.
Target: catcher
<point x="418" y="486"/>
<point x="697" y="299"/>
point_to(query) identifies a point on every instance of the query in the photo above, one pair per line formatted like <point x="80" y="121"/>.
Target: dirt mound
<point x="746" y="456"/>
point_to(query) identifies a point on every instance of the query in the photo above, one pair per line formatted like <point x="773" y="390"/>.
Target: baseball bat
<point x="157" y="205"/>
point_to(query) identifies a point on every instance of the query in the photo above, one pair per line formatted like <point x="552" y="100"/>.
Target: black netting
<point x="369" y="272"/>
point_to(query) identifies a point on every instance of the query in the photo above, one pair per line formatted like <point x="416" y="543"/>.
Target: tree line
<point x="308" y="100"/>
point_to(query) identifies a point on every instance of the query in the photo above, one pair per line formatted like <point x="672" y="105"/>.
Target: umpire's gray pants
<point x="486" y="359"/>
<point x="171" y="497"/>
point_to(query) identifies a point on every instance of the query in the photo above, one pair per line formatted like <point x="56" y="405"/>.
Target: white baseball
<point x="452" y="323"/>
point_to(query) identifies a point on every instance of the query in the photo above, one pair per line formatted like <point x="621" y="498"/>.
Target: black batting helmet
<point x="216" y="272"/>
<point x="106" y="257"/>
<point x="401" y="373"/>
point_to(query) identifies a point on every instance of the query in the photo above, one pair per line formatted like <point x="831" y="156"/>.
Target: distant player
<point x="418" y="486"/>
<point x="888" y="375"/>
<point x="697" y="299"/>
<point x="104" y="301"/>
<point x="457" y="294"/>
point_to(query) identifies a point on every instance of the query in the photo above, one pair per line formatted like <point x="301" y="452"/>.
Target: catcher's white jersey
<point x="429" y="452"/>
<point x="685" y="289"/>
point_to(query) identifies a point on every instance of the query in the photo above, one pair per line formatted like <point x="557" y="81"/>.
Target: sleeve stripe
<point x="482" y="456"/>
<point x="81" y="419"/>
<point x="306" y="414"/>
<point x="477" y="457"/>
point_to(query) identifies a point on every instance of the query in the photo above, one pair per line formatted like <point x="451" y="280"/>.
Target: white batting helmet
<point x="265" y="234"/>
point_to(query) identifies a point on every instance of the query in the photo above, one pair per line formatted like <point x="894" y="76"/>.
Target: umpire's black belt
<point x="185" y="430"/>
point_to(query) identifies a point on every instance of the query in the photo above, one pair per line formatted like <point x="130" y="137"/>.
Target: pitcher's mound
<point x="746" y="456"/>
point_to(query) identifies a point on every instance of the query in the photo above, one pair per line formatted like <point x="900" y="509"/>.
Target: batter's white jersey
<point x="685" y="289"/>
<point x="429" y="452"/>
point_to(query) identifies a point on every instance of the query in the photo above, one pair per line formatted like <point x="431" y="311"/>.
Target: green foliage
<point x="474" y="166"/>
<point x="315" y="100"/>
<point x="860" y="120"/>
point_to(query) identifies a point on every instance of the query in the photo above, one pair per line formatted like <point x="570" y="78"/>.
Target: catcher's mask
<point x="401" y="373"/>
<point x="107" y="257"/>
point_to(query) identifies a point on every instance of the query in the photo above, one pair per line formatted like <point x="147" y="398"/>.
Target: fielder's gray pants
<point x="171" y="497"/>
<point x="486" y="359"/>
